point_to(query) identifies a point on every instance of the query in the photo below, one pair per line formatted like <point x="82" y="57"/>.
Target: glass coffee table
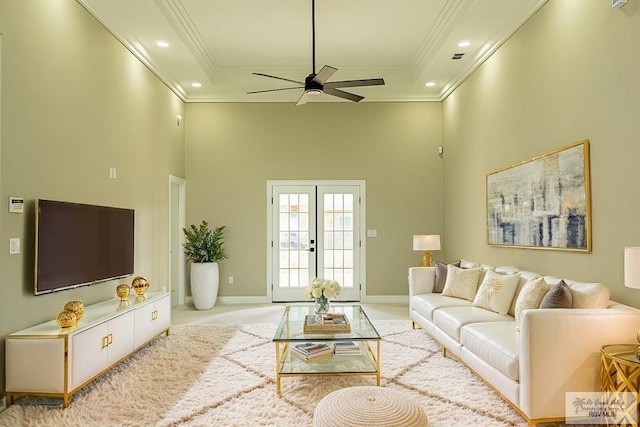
<point x="291" y="332"/>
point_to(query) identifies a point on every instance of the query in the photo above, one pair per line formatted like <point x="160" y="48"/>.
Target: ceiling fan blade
<point x="303" y="98"/>
<point x="342" y="94"/>
<point x="356" y="83"/>
<point x="279" y="78"/>
<point x="324" y="74"/>
<point x="274" y="90"/>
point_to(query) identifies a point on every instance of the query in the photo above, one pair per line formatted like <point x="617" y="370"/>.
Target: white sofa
<point x="557" y="350"/>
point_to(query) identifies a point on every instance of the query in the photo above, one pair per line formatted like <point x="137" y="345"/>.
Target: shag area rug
<point x="220" y="375"/>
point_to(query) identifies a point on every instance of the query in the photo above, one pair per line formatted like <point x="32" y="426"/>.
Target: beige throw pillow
<point x="462" y="283"/>
<point x="441" y="276"/>
<point x="496" y="291"/>
<point x="530" y="297"/>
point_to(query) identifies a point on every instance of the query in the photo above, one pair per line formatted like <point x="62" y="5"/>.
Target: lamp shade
<point x="632" y="267"/>
<point x="423" y="242"/>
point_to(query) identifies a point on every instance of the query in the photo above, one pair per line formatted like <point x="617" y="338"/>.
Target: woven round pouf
<point x="367" y="406"/>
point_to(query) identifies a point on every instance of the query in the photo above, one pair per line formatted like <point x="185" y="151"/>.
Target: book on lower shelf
<point x="347" y="348"/>
<point x="312" y="351"/>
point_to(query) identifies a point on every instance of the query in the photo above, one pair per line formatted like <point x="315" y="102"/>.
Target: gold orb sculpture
<point x="76" y="307"/>
<point x="66" y="319"/>
<point x="122" y="291"/>
<point x="140" y="285"/>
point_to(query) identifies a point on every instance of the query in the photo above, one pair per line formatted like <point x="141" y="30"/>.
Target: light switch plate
<point x="14" y="246"/>
<point x="372" y="233"/>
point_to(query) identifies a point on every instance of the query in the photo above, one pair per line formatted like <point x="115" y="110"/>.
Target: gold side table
<point x="620" y="371"/>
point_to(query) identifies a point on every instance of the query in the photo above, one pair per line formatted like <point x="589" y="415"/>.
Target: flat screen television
<point x="78" y="244"/>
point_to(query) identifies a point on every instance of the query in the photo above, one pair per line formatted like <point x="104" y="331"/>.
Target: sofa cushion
<point x="584" y="294"/>
<point x="496" y="291"/>
<point x="425" y="304"/>
<point x="530" y="297"/>
<point x="451" y="319"/>
<point x="559" y="296"/>
<point x="496" y="343"/>
<point x="468" y="264"/>
<point x="441" y="275"/>
<point x="462" y="283"/>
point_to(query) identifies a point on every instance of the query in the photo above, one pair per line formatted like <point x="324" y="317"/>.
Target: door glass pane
<point x="338" y="249"/>
<point x="294" y="242"/>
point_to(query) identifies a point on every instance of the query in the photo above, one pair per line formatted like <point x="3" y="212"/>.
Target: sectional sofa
<point x="530" y="355"/>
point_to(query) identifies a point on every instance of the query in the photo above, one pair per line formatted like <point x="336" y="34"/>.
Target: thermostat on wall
<point x="16" y="204"/>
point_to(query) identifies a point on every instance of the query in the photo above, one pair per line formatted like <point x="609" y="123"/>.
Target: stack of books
<point x="326" y="324"/>
<point x="346" y="348"/>
<point x="312" y="351"/>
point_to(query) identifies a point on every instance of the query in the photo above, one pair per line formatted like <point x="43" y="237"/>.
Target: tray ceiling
<point x="219" y="43"/>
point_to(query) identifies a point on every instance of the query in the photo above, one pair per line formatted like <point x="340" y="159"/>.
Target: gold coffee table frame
<point x="290" y="332"/>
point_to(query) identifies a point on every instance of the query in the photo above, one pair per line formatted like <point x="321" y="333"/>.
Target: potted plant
<point x="204" y="248"/>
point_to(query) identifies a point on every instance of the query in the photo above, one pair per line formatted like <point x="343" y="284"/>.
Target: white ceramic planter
<point x="205" y="280"/>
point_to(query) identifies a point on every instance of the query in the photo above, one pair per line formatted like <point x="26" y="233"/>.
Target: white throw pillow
<point x="462" y="283"/>
<point x="530" y="297"/>
<point x="496" y="291"/>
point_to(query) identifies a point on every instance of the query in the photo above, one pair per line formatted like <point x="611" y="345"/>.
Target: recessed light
<point x="430" y="84"/>
<point x="464" y="43"/>
<point x="162" y="43"/>
<point x="196" y="84"/>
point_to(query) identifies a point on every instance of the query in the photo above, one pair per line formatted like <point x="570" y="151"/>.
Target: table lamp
<point x="632" y="270"/>
<point x="426" y="243"/>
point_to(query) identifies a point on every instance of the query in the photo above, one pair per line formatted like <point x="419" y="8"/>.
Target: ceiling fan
<point x="316" y="83"/>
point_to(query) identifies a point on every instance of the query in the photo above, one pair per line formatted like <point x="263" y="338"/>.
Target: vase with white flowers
<point x="321" y="291"/>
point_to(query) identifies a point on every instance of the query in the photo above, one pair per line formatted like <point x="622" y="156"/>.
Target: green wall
<point x="570" y="73"/>
<point x="233" y="149"/>
<point x="75" y="103"/>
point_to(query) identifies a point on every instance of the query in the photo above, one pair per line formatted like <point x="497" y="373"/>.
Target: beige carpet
<point x="213" y="375"/>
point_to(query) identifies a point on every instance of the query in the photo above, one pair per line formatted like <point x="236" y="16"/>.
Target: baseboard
<point x="370" y="299"/>
<point x="243" y="300"/>
<point x="386" y="299"/>
<point x="235" y="300"/>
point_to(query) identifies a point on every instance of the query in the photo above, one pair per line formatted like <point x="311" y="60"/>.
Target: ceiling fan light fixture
<point x="316" y="83"/>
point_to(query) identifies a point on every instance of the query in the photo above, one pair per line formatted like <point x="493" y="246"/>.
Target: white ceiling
<point x="219" y="43"/>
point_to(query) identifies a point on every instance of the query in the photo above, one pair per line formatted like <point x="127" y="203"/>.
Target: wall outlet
<point x="231" y="280"/>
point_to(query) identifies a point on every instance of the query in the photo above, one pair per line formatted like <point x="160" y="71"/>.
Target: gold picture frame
<point x="543" y="202"/>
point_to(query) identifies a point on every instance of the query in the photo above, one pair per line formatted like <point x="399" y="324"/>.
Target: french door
<point x="315" y="231"/>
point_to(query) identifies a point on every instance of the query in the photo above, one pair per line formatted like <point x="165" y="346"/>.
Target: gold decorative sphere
<point x="66" y="319"/>
<point x="122" y="291"/>
<point x="76" y="307"/>
<point x="140" y="285"/>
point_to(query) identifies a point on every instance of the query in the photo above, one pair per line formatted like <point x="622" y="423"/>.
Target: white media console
<point x="46" y="360"/>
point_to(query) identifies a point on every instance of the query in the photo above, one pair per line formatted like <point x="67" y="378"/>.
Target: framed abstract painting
<point x="542" y="203"/>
